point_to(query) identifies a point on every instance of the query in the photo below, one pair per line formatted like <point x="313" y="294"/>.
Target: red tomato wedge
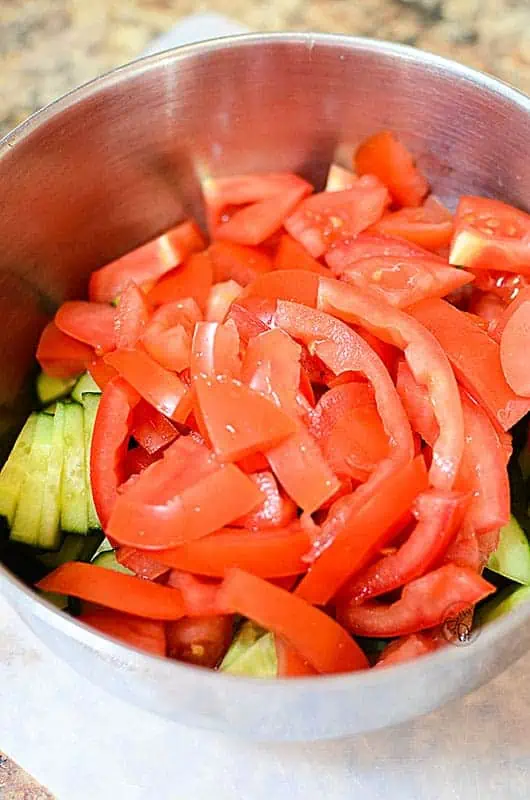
<point x="364" y="533"/>
<point x="145" y="634"/>
<point x="417" y="404"/>
<point x="237" y="262"/>
<point x="60" y="355"/>
<point x="200" y="594"/>
<point x="322" y="219"/>
<point x="112" y="431"/>
<point x="270" y="553"/>
<point x="115" y="590"/>
<point x="141" y="563"/>
<point x="297" y="285"/>
<point x="202" y="641"/>
<point x="491" y="235"/>
<point x="438" y="514"/>
<point x="170" y="348"/>
<point x="151" y="429"/>
<point x="290" y="664"/>
<point x="386" y="157"/>
<point x="504" y="312"/>
<point x="366" y="245"/>
<point x="464" y="550"/>
<point x="137" y="459"/>
<point x="91" y="323"/>
<point x="147" y="263"/>
<point x="475" y="358"/>
<point x="239" y="420"/>
<point x="193" y="278"/>
<point x="316" y="637"/>
<point x="430" y="225"/>
<point x="220" y="298"/>
<point x="182" y="497"/>
<point x="215" y="351"/>
<point x="402" y="281"/>
<point x="290" y="255"/>
<point x="425" y="358"/>
<point x="131" y="317"/>
<point x="407" y="649"/>
<point x="272" y="366"/>
<point x="514" y="350"/>
<point x="158" y="386"/>
<point x="424" y="603"/>
<point x="100" y="372"/>
<point x="276" y="511"/>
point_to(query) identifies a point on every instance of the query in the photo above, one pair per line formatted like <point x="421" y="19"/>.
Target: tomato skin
<point x="145" y="634"/>
<point x="425" y="602"/>
<point x="193" y="278"/>
<point x="490" y="234"/>
<point x="291" y="255"/>
<point x="322" y="219"/>
<point x="386" y="157"/>
<point x="316" y="637"/>
<point x="202" y="641"/>
<point x="91" y="323"/>
<point x="60" y="355"/>
<point x="146" y="263"/>
<point x="429" y="226"/>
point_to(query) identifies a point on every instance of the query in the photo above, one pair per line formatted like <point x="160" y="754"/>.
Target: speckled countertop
<point x="49" y="46"/>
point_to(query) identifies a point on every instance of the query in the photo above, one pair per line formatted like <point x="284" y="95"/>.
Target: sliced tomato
<point x="146" y="263"/>
<point x="132" y="315"/>
<point x="322" y="219"/>
<point x="145" y="634"/>
<point x="237" y="262"/>
<point x="386" y="157"/>
<point x="464" y="550"/>
<point x="366" y="245"/>
<point x="316" y="637"/>
<point x="162" y="389"/>
<point x="137" y="459"/>
<point x="439" y="515"/>
<point x="215" y="351"/>
<point x="91" y="323"/>
<point x="364" y="533"/>
<point x="100" y="372"/>
<point x="491" y="235"/>
<point x="297" y="285"/>
<point x="170" y="348"/>
<point x="272" y="366"/>
<point x="112" y="431"/>
<point x="142" y="564"/>
<point x="506" y="286"/>
<point x="513" y="350"/>
<point x="417" y="404"/>
<point x="61" y="356"/>
<point x="202" y="641"/>
<point x="402" y="281"/>
<point x="270" y="553"/>
<point x="504" y="312"/>
<point x="426" y="602"/>
<point x="290" y="664"/>
<point x="221" y="297"/>
<point x="200" y="594"/>
<point x="182" y="497"/>
<point x="116" y="590"/>
<point x="239" y="420"/>
<point x="407" y="649"/>
<point x="185" y="312"/>
<point x="430" y="225"/>
<point x="276" y="510"/>
<point x="488" y="309"/>
<point x="291" y="255"/>
<point x="475" y="358"/>
<point x="193" y="278"/>
<point x="151" y="429"/>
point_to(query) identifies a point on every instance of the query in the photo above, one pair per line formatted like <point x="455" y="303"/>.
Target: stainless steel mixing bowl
<point x="119" y="160"/>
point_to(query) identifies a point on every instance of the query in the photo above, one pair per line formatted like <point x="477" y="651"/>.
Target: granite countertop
<point x="47" y="48"/>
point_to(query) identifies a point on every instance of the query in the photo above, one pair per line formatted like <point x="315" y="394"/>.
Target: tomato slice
<point x="220" y="298"/>
<point x="439" y="515"/>
<point x="276" y="510"/>
<point x="316" y="637"/>
<point x="215" y="351"/>
<point x="424" y="603"/>
<point x="100" y="372"/>
<point x="116" y="590"/>
<point x="363" y="533"/>
<point x="202" y="641"/>
<point x="322" y="219"/>
<point x="415" y="399"/>
<point x="142" y="564"/>
<point x="237" y="262"/>
<point x="296" y="285"/>
<point x="406" y="649"/>
<point x="272" y="366"/>
<point x="504" y="312"/>
<point x="367" y="245"/>
<point x="112" y="431"/>
<point x="61" y="356"/>
<point x="430" y="225"/>
<point x="146" y="263"/>
<point x="151" y="429"/>
<point x="162" y="389"/>
<point x="290" y="255"/>
<point x="386" y="157"/>
<point x="270" y="553"/>
<point x="137" y="459"/>
<point x="132" y="316"/>
<point x="200" y="594"/>
<point x="91" y="323"/>
<point x="475" y="358"/>
<point x="145" y="634"/>
<point x="193" y="278"/>
<point x="513" y="352"/>
<point x="239" y="420"/>
<point x="491" y="235"/>
<point x="183" y="496"/>
<point x="290" y="664"/>
<point x="464" y="550"/>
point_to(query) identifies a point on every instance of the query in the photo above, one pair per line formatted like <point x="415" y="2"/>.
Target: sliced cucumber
<point x="504" y="602"/>
<point x="74" y="493"/>
<point x="15" y="469"/>
<point x="26" y="523"/>
<point x="512" y="556"/>
<point x="90" y="406"/>
<point x="49" y="528"/>
<point x="50" y="389"/>
<point x="247" y="635"/>
<point x="73" y="548"/>
<point x="103" y="547"/>
<point x="108" y="560"/>
<point x="257" y="661"/>
<point x="85" y="385"/>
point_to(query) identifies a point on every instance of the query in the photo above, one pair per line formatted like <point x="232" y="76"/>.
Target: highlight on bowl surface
<point x="296" y="445"/>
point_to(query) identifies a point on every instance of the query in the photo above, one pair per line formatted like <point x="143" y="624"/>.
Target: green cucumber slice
<point x="26" y="522"/>
<point x="512" y="556"/>
<point x="49" y="528"/>
<point x="14" y="470"/>
<point x="85" y="385"/>
<point x="504" y="602"/>
<point x="108" y="560"/>
<point x="50" y="389"/>
<point x="74" y="493"/>
<point x="90" y="406"/>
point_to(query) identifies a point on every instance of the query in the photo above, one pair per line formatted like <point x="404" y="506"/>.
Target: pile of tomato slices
<point x="305" y="420"/>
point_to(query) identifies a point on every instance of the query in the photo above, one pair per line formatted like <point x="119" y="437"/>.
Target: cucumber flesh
<point x="103" y="547"/>
<point x="258" y="661"/>
<point x="108" y="560"/>
<point x="50" y="389"/>
<point x="26" y="523"/>
<point x="49" y="528"/>
<point x="512" y="556"/>
<point x="74" y="548"/>
<point x="503" y="603"/>
<point x="90" y="409"/>
<point x="74" y="493"/>
<point x="15" y="469"/>
<point x="85" y="385"/>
